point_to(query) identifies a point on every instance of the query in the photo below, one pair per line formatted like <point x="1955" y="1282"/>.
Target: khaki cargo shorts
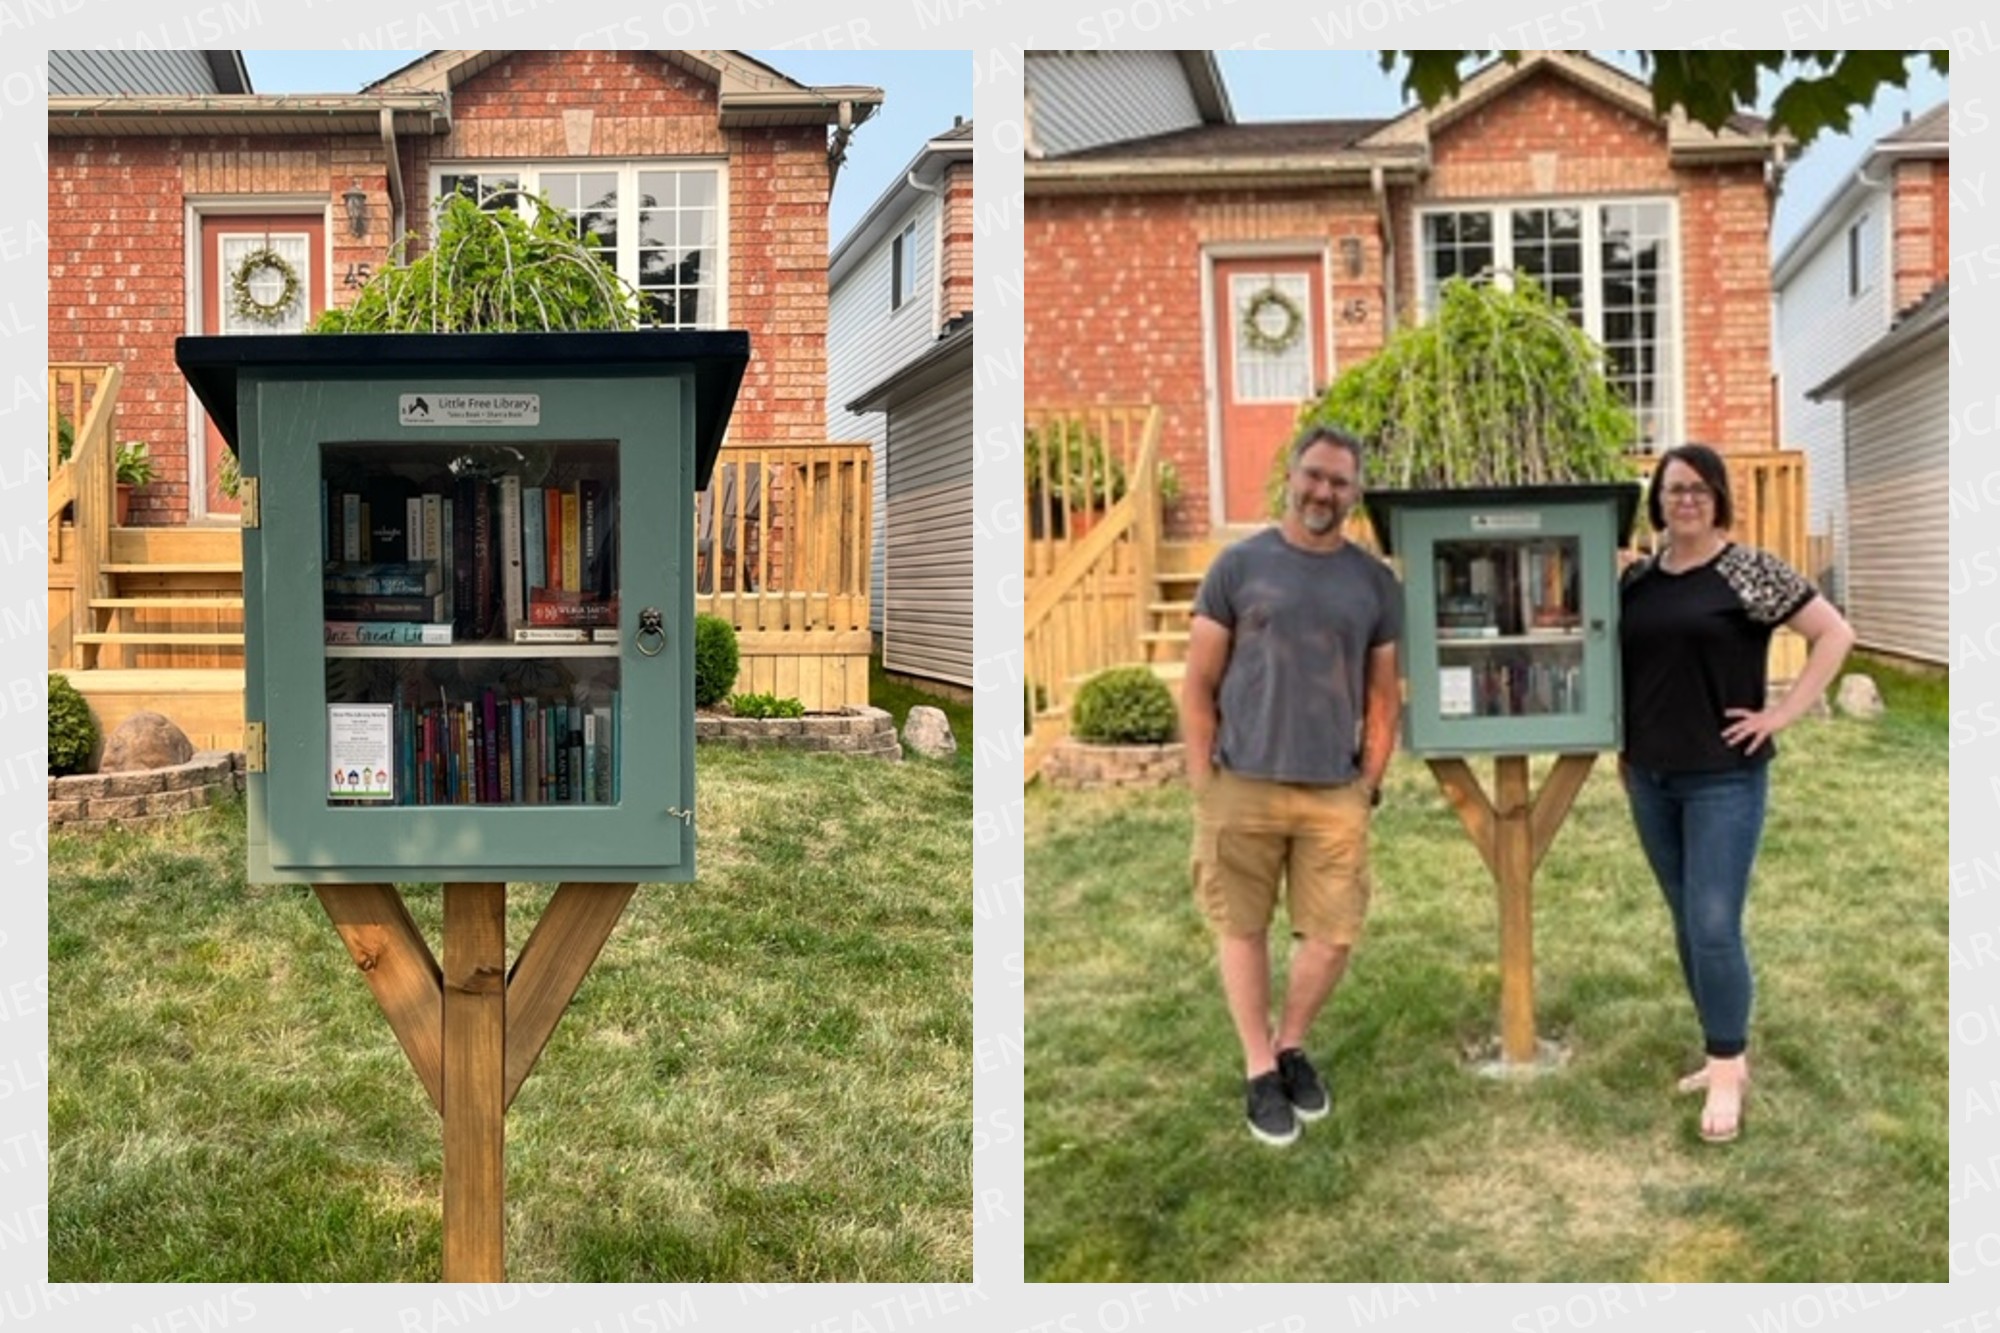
<point x="1249" y="833"/>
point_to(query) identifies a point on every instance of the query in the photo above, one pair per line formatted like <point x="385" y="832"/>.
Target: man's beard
<point x="1318" y="520"/>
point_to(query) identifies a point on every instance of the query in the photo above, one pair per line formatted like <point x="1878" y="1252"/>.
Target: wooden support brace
<point x="564" y="945"/>
<point x="385" y="944"/>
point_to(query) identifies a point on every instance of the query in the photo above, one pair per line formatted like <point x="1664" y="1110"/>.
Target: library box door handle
<point x="649" y="624"/>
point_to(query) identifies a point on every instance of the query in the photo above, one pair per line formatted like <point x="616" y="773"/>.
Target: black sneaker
<point x="1271" y="1118"/>
<point x="1303" y="1088"/>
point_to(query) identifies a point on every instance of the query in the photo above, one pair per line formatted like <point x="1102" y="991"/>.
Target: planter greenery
<point x="1499" y="388"/>
<point x="134" y="464"/>
<point x="492" y="272"/>
<point x="716" y="660"/>
<point x="73" y="732"/>
<point x="765" y="705"/>
<point x="229" y="475"/>
<point x="1078" y="468"/>
<point x="1124" y="706"/>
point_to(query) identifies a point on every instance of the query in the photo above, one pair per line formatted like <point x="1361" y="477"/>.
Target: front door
<point x="1270" y="357"/>
<point x="244" y="291"/>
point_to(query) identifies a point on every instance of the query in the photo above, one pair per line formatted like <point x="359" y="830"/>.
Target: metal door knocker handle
<point x="649" y="623"/>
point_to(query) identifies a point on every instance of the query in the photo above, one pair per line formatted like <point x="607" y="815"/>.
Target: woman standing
<point x="1695" y="625"/>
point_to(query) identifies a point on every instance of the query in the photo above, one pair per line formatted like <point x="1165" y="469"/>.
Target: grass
<point x="1138" y="1167"/>
<point x="766" y="1077"/>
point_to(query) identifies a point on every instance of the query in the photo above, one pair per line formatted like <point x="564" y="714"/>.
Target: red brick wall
<point x="1113" y="282"/>
<point x="118" y="272"/>
<point x="1922" y="228"/>
<point x="958" y="241"/>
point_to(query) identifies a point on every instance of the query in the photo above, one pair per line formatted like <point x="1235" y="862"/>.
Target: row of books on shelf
<point x="1522" y="688"/>
<point x="483" y="555"/>
<point x="434" y="634"/>
<point x="507" y="750"/>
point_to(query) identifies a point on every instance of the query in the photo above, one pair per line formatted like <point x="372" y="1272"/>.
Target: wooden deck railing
<point x="781" y="552"/>
<point x="83" y="404"/>
<point x="1092" y="540"/>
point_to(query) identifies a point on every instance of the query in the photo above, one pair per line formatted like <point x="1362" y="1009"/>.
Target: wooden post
<point x="1514" y="856"/>
<point x="1512" y="833"/>
<point x="473" y="1029"/>
<point x="475" y="1109"/>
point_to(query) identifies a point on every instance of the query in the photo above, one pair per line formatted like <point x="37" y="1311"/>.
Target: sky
<point x="923" y="91"/>
<point x="1308" y="85"/>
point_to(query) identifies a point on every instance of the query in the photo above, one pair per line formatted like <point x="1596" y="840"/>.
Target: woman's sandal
<point x="1731" y="1128"/>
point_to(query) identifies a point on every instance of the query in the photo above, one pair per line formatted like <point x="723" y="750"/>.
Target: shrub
<point x="1124" y="706"/>
<point x="715" y="660"/>
<point x="72" y="730"/>
<point x="765" y="705"/>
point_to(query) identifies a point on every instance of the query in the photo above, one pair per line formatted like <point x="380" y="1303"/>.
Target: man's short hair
<point x="1324" y="434"/>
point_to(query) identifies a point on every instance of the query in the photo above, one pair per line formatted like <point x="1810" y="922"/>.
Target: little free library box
<point x="467" y="597"/>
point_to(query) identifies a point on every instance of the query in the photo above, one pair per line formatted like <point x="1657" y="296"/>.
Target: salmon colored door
<point x="1270" y="341"/>
<point x="264" y="297"/>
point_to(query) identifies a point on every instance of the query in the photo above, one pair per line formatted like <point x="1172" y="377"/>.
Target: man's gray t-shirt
<point x="1301" y="624"/>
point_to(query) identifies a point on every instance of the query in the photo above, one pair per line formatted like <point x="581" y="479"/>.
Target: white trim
<point x="1672" y="350"/>
<point x="627" y="169"/>
<point x="195" y="207"/>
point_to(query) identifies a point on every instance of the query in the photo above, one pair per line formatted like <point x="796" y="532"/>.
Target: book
<point x="350" y="526"/>
<point x="388" y="633"/>
<point x="591" y="515"/>
<point x="587" y="614"/>
<point x="509" y="500"/>
<point x="552" y="521"/>
<point x="485" y="559"/>
<point x="413" y="523"/>
<point x="447" y="558"/>
<point x="463" y="613"/>
<point x="589" y="754"/>
<point x="397" y="578"/>
<point x="572" y="550"/>
<point x="602" y="758"/>
<point x="534" y="539"/>
<point x="551" y="634"/>
<point x="350" y="606"/>
<point x="386" y="531"/>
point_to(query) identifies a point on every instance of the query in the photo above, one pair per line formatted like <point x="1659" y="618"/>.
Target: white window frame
<point x="529" y="170"/>
<point x="1860" y="268"/>
<point x="903" y="266"/>
<point x="1671" y="349"/>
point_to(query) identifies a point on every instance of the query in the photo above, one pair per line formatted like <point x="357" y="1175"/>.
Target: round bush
<point x="1124" y="706"/>
<point x="72" y="730"/>
<point x="715" y="660"/>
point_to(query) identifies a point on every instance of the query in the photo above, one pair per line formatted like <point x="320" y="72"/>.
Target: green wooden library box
<point x="468" y="600"/>
<point x="1510" y="602"/>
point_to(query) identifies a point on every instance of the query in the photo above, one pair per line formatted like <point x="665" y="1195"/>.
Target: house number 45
<point x="357" y="275"/>
<point x="1354" y="312"/>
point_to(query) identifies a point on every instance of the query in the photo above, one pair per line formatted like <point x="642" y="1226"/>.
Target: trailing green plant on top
<point x="1124" y="706"/>
<point x="492" y="271"/>
<point x="1498" y="388"/>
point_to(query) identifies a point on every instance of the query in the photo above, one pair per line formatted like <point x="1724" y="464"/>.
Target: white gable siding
<point x="929" y="536"/>
<point x="866" y="342"/>
<point x="1086" y="98"/>
<point x="81" y="72"/>
<point x="1819" y="330"/>
<point x="1898" y="427"/>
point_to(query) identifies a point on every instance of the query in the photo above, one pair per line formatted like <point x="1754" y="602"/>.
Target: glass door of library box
<point x="1511" y="638"/>
<point x="474" y="593"/>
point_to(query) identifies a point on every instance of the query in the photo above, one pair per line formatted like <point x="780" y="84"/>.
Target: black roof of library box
<point x="718" y="358"/>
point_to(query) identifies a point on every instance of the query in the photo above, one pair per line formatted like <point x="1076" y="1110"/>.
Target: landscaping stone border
<point x="1076" y="766"/>
<point x="859" y="731"/>
<point x="149" y="796"/>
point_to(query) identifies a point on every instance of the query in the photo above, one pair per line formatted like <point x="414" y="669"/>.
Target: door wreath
<point x="243" y="300"/>
<point x="1272" y="321"/>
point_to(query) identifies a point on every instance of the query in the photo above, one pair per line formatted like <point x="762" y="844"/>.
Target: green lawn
<point x="1138" y="1167"/>
<point x="765" y="1078"/>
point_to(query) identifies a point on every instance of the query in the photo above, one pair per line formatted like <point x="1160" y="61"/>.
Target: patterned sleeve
<point x="1772" y="591"/>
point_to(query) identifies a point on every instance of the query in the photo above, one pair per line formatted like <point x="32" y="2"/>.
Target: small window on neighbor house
<point x="903" y="267"/>
<point x="1860" y="256"/>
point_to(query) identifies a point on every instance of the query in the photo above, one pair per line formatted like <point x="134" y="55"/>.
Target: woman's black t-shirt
<point x="1694" y="644"/>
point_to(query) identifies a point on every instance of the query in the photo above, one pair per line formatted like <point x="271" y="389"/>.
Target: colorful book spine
<point x="342" y="606"/>
<point x="551" y="634"/>
<point x="403" y="578"/>
<point x="389" y="633"/>
<point x="552" y="519"/>
<point x="350" y="526"/>
<point x="572" y="547"/>
<point x="510" y="548"/>
<point x="563" y="612"/>
<point x="534" y="539"/>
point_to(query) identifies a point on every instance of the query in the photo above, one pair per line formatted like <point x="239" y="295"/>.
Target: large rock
<point x="1858" y="696"/>
<point x="145" y="740"/>
<point x="928" y="733"/>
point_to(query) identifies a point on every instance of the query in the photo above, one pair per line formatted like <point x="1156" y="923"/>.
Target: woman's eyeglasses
<point x="1689" y="494"/>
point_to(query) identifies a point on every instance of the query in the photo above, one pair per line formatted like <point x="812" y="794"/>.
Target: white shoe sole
<point x="1276" y="1141"/>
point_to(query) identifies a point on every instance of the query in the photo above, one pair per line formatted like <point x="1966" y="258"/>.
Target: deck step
<point x="1179" y="636"/>
<point x="1179" y="575"/>
<point x="1171" y="608"/>
<point x="176" y="567"/>
<point x="187" y="638"/>
<point x="170" y="603"/>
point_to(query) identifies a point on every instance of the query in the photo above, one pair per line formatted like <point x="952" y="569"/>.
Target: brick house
<point x="705" y="174"/>
<point x="1156" y="225"/>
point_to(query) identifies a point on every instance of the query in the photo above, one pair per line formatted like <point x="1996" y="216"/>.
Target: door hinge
<point x="246" y="497"/>
<point x="253" y="747"/>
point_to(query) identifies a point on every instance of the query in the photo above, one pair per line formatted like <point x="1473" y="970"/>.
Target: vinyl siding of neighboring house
<point x="83" y="72"/>
<point x="928" y="535"/>
<point x="866" y="341"/>
<point x="1820" y="328"/>
<point x="1898" y="428"/>
<point x="1089" y="98"/>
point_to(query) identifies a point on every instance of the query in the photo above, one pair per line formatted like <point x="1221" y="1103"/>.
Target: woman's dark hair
<point x="1708" y="466"/>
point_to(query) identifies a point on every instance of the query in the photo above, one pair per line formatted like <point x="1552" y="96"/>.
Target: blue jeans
<point x="1700" y="832"/>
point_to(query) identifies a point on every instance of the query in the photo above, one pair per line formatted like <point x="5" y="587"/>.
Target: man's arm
<point x="1207" y="656"/>
<point x="1384" y="709"/>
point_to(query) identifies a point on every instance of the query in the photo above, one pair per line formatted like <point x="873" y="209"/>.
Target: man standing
<point x="1289" y="711"/>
